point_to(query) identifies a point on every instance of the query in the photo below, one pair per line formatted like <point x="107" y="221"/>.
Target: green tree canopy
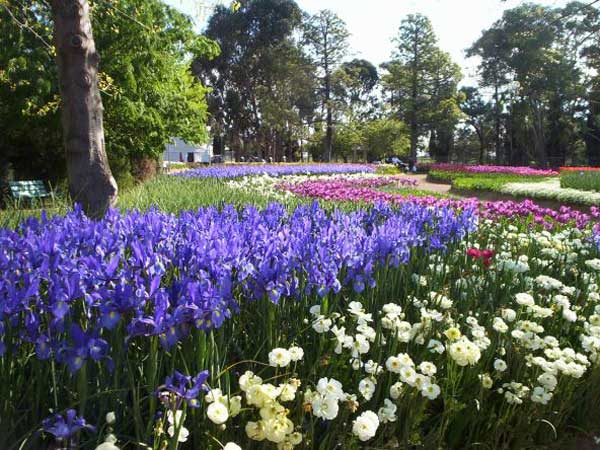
<point x="326" y="36"/>
<point x="148" y="91"/>
<point x="263" y="93"/>
<point x="422" y="81"/>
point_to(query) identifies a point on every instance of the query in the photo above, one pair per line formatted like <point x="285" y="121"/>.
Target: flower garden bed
<point x="552" y="190"/>
<point x="520" y="183"/>
<point x="581" y="178"/>
<point x="241" y="170"/>
<point x="506" y="170"/>
<point x="401" y="322"/>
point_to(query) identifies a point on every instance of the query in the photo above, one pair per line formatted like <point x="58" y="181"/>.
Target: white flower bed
<point x="551" y="190"/>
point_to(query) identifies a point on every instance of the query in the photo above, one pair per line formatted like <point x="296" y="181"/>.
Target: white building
<point x="180" y="151"/>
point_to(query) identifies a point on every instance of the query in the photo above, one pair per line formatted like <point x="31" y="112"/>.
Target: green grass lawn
<point x="175" y="194"/>
<point x="415" y="192"/>
<point x="586" y="180"/>
<point x="492" y="182"/>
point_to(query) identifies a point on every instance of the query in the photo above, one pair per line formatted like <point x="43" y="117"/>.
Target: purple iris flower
<point x="85" y="344"/>
<point x="65" y="427"/>
<point x="186" y="388"/>
<point x="163" y="275"/>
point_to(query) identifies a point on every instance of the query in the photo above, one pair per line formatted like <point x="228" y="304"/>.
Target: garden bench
<point x="31" y="190"/>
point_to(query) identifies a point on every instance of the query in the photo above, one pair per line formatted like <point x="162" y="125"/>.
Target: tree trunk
<point x="592" y="135"/>
<point x="497" y="113"/>
<point x="90" y="180"/>
<point x="539" y="138"/>
<point x="4" y="168"/>
<point x="329" y="136"/>
<point x="481" y="143"/>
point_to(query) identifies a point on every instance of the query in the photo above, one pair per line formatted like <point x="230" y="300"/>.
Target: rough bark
<point x="329" y="115"/>
<point x="592" y="135"/>
<point x="497" y="136"/>
<point x="90" y="180"/>
<point x="414" y="124"/>
<point x="538" y="133"/>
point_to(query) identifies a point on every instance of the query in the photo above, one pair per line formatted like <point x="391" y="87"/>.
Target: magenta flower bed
<point x="365" y="191"/>
<point x="543" y="216"/>
<point x="512" y="170"/>
<point x="344" y="189"/>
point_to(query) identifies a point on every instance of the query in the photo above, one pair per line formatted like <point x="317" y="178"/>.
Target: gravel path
<point x="425" y="185"/>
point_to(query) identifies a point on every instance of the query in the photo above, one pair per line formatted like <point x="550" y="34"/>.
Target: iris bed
<point x="77" y="294"/>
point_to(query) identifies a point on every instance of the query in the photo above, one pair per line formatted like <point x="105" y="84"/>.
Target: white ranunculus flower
<point x="325" y="407"/>
<point x="366" y="387"/>
<point x="277" y="429"/>
<point x="436" y="346"/>
<point x="111" y="418"/>
<point x="322" y="324"/>
<point x="217" y="412"/>
<point x="296" y="353"/>
<point x="393" y="364"/>
<point x="248" y="379"/>
<point x="430" y="390"/>
<point x="548" y="381"/>
<point x="279" y="357"/>
<point x="235" y="405"/>
<point x="232" y="446"/>
<point x="408" y="375"/>
<point x="427" y="368"/>
<point x="396" y="390"/>
<point x="365" y="426"/>
<point x="499" y="325"/>
<point x="569" y="315"/>
<point x="330" y="388"/>
<point x="108" y="444"/>
<point x="255" y="431"/>
<point x="540" y="395"/>
<point x="213" y="395"/>
<point x="387" y="413"/>
<point x="593" y="264"/>
<point x="183" y="433"/>
<point x="509" y="314"/>
<point x="524" y="299"/>
<point x="500" y="365"/>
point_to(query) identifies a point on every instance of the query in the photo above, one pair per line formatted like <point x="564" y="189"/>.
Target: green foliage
<point x="148" y="92"/>
<point x="494" y="184"/>
<point x="151" y="95"/>
<point x="423" y="82"/>
<point x="480" y="181"/>
<point x="326" y="36"/>
<point x="369" y="140"/>
<point x="479" y="116"/>
<point x="384" y="137"/>
<point x="262" y="83"/>
<point x="30" y="141"/>
<point x="533" y="59"/>
<point x="388" y="169"/>
<point x="586" y="180"/>
<point x="354" y="86"/>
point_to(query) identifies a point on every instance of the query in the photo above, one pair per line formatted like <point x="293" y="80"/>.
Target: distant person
<point x="242" y="159"/>
<point x="412" y="165"/>
<point x="270" y="160"/>
<point x="284" y="158"/>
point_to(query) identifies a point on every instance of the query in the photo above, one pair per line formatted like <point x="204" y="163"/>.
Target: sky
<point x="373" y="23"/>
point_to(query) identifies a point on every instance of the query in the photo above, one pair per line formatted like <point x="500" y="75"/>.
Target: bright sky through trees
<point x="457" y="23"/>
